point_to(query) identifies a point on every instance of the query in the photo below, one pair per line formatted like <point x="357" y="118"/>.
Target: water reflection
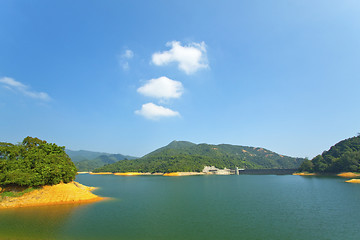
<point x="35" y="222"/>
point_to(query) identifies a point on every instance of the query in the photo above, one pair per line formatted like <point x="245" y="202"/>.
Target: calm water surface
<point x="198" y="207"/>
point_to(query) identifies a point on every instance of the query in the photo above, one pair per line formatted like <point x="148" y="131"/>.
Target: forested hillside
<point x="86" y="161"/>
<point x="186" y="156"/>
<point x="342" y="157"/>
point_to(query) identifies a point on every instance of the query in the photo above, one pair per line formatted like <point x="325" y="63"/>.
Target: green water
<point x="198" y="207"/>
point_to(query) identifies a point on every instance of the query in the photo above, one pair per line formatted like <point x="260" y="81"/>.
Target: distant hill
<point x="86" y="161"/>
<point x="342" y="157"/>
<point x="186" y="156"/>
<point x="77" y="156"/>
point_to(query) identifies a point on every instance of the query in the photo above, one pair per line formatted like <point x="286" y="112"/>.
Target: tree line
<point x="342" y="157"/>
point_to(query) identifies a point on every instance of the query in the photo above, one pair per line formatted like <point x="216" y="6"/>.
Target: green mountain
<point x="186" y="156"/>
<point x="77" y="156"/>
<point x="342" y="157"/>
<point x="86" y="161"/>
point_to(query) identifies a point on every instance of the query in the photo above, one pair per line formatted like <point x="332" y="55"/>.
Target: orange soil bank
<point x="62" y="193"/>
<point x="131" y="174"/>
<point x="101" y="173"/>
<point x="173" y="174"/>
<point x="176" y="174"/>
<point x="348" y="175"/>
<point x="304" y="174"/>
<point x="353" y="181"/>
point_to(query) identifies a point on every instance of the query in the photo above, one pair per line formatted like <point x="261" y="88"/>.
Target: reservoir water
<point x="198" y="207"/>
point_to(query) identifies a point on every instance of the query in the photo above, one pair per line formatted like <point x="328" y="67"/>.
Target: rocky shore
<point x="62" y="193"/>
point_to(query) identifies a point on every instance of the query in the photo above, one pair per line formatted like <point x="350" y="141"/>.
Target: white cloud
<point x="190" y="58"/>
<point x="128" y="54"/>
<point x="162" y="88"/>
<point x="123" y="59"/>
<point x="12" y="84"/>
<point x="155" y="112"/>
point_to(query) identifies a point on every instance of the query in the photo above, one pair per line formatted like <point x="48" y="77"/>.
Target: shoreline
<point x="62" y="193"/>
<point x="348" y="175"/>
<point x="180" y="174"/>
<point x="171" y="174"/>
<point x="304" y="174"/>
<point x="353" y="181"/>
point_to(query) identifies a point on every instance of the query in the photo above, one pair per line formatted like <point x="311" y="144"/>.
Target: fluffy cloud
<point x="162" y="88"/>
<point x="189" y="58"/>
<point x="11" y="84"/>
<point x="123" y="59"/>
<point x="155" y="112"/>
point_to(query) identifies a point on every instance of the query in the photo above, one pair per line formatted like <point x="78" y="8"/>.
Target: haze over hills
<point x="80" y="155"/>
<point x="185" y="156"/>
<point x="87" y="160"/>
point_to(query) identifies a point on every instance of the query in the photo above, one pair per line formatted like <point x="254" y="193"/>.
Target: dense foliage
<point x="34" y="162"/>
<point x="342" y="157"/>
<point x="186" y="157"/>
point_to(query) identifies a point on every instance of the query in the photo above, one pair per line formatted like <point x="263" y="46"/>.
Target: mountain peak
<point x="180" y="144"/>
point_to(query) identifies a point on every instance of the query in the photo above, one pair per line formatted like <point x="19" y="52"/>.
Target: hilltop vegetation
<point x="342" y="157"/>
<point x="189" y="157"/>
<point x="34" y="162"/>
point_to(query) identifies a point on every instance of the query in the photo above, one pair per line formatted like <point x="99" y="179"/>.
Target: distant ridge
<point x="86" y="161"/>
<point x="186" y="156"/>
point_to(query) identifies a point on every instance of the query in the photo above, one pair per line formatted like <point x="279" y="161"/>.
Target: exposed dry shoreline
<point x="172" y="174"/>
<point x="348" y="175"/>
<point x="62" y="193"/>
<point x="353" y="181"/>
<point x="179" y="174"/>
<point x="304" y="174"/>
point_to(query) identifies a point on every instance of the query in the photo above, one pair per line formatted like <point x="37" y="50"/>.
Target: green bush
<point x="34" y="162"/>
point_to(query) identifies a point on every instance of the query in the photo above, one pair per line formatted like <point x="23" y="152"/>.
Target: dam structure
<point x="242" y="171"/>
<point x="225" y="171"/>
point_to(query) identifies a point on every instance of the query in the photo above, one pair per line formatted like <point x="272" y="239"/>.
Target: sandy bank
<point x="348" y="175"/>
<point x="179" y="174"/>
<point x="101" y="173"/>
<point x="353" y="181"/>
<point x="53" y="195"/>
<point x="304" y="174"/>
<point x="82" y="172"/>
<point x="132" y="174"/>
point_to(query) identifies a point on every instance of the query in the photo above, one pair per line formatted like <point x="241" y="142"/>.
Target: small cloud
<point x="123" y="59"/>
<point x="11" y="84"/>
<point x="128" y="54"/>
<point x="154" y="112"/>
<point x="162" y="88"/>
<point x="189" y="58"/>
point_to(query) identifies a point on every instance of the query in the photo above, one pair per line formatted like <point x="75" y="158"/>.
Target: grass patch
<point x="16" y="193"/>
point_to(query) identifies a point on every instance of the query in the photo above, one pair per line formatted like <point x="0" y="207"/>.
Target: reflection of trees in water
<point x="35" y="222"/>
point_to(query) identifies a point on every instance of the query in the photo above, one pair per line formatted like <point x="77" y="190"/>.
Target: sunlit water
<point x="198" y="207"/>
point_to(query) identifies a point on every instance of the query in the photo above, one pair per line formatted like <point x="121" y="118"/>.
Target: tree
<point x="307" y="166"/>
<point x="34" y="162"/>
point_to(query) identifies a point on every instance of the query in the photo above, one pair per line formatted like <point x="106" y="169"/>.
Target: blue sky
<point x="131" y="76"/>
